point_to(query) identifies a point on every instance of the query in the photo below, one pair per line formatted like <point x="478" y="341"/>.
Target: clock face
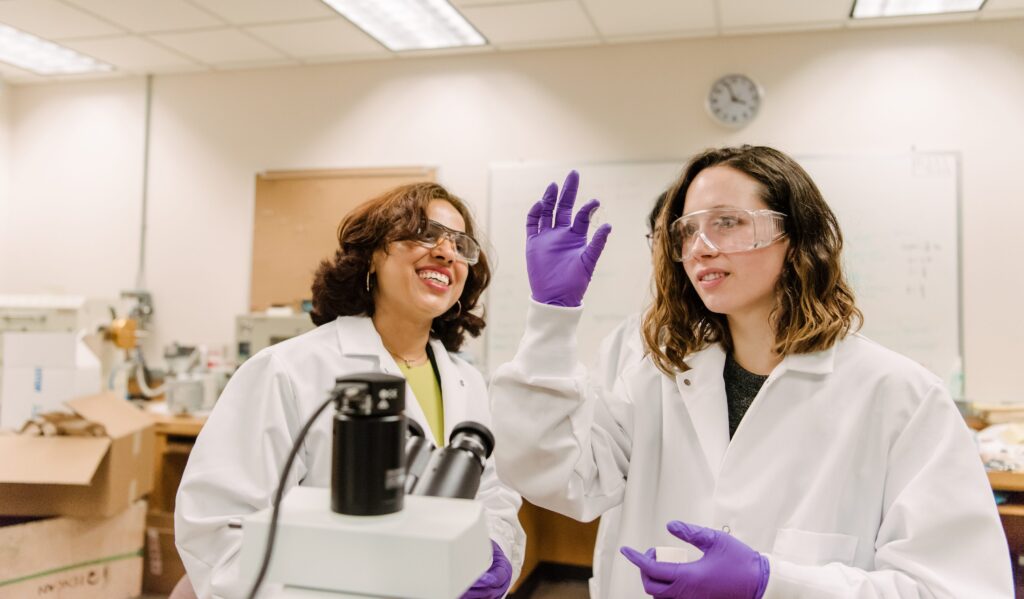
<point x="734" y="100"/>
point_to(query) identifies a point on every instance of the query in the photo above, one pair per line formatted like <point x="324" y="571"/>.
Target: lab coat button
<point x="462" y="383"/>
<point x="686" y="382"/>
<point x="726" y="529"/>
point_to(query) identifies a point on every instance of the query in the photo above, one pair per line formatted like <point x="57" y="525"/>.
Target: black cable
<point x="272" y="534"/>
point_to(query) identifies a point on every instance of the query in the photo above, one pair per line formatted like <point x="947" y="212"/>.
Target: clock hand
<point x="732" y="95"/>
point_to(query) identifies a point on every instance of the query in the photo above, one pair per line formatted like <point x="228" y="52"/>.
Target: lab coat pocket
<point x="814" y="548"/>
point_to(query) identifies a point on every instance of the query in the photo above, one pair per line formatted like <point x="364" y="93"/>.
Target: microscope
<point x="399" y="519"/>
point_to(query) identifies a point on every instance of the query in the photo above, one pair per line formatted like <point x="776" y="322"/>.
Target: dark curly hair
<point x="339" y="287"/>
<point x="814" y="305"/>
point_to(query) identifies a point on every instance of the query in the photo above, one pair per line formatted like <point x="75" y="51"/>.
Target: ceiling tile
<point x="188" y="35"/>
<point x="52" y="20"/>
<point x="90" y="76"/>
<point x="150" y="15"/>
<point x="758" y="14"/>
<point x="318" y="38"/>
<point x="312" y="60"/>
<point x="218" y="46"/>
<point x="247" y="12"/>
<point x="785" y="28"/>
<point x="531" y="24"/>
<point x="133" y="53"/>
<point x="256" y="64"/>
<point x="615" y="18"/>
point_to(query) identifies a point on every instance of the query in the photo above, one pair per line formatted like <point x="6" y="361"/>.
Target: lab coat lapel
<point x="358" y="338"/>
<point x="453" y="388"/>
<point x="703" y="391"/>
<point x="822" y="362"/>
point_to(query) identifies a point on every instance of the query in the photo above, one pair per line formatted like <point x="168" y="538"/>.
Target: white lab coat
<point x="852" y="470"/>
<point x="622" y="348"/>
<point x="237" y="460"/>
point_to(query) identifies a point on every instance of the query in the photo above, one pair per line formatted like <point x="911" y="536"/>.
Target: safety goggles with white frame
<point x="725" y="230"/>
<point x="432" y="233"/>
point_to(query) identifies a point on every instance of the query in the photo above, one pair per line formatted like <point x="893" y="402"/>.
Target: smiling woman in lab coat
<point x="762" y="448"/>
<point x="397" y="297"/>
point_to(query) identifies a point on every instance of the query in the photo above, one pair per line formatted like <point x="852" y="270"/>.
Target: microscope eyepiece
<point x="455" y="470"/>
<point x="473" y="437"/>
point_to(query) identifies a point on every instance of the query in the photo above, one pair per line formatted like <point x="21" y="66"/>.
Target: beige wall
<point x="76" y="180"/>
<point x="5" y="193"/>
<point x="76" y="150"/>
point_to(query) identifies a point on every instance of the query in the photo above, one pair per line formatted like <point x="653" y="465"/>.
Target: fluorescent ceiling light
<point x="865" y="9"/>
<point x="410" y="24"/>
<point x="40" y="56"/>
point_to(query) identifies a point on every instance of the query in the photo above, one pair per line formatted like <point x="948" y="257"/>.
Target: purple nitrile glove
<point x="559" y="261"/>
<point x="728" y="570"/>
<point x="493" y="583"/>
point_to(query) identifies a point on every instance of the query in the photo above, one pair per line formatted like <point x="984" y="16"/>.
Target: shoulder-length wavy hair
<point x="340" y="284"/>
<point x="814" y="305"/>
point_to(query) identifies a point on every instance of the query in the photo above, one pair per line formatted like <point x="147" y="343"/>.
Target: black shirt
<point x="741" y="386"/>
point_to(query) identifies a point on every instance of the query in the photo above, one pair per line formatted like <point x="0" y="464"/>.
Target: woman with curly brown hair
<point x="398" y="296"/>
<point x="792" y="457"/>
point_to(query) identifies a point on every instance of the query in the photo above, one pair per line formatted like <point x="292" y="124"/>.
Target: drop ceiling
<point x="174" y="36"/>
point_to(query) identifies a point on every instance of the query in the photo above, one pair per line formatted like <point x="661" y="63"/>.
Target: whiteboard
<point x="900" y="220"/>
<point x="622" y="279"/>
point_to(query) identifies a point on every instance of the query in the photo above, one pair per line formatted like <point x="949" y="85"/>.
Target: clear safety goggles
<point x="725" y="230"/>
<point x="432" y="233"/>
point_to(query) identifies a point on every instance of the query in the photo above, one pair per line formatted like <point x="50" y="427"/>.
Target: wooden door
<point x="296" y="225"/>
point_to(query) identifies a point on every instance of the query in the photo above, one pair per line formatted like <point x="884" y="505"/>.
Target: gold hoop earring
<point x="458" y="303"/>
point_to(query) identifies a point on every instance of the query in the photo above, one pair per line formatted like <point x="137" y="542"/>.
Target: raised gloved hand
<point x="493" y="583"/>
<point x="559" y="261"/>
<point x="728" y="570"/>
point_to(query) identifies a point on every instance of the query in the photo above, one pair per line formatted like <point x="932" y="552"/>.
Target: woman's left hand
<point x="495" y="581"/>
<point x="729" y="569"/>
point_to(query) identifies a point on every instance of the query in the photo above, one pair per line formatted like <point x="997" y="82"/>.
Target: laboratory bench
<point x="1011" y="512"/>
<point x="175" y="436"/>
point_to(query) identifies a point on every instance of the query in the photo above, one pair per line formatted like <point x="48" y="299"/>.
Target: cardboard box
<point x="163" y="567"/>
<point x="69" y="558"/>
<point x="41" y="371"/>
<point x="86" y="477"/>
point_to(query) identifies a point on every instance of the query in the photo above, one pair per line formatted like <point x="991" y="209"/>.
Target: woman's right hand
<point x="559" y="261"/>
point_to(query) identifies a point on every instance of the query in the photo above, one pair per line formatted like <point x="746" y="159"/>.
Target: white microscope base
<point x="435" y="548"/>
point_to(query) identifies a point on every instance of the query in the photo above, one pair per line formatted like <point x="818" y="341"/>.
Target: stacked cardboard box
<point x="73" y="558"/>
<point x="94" y="485"/>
